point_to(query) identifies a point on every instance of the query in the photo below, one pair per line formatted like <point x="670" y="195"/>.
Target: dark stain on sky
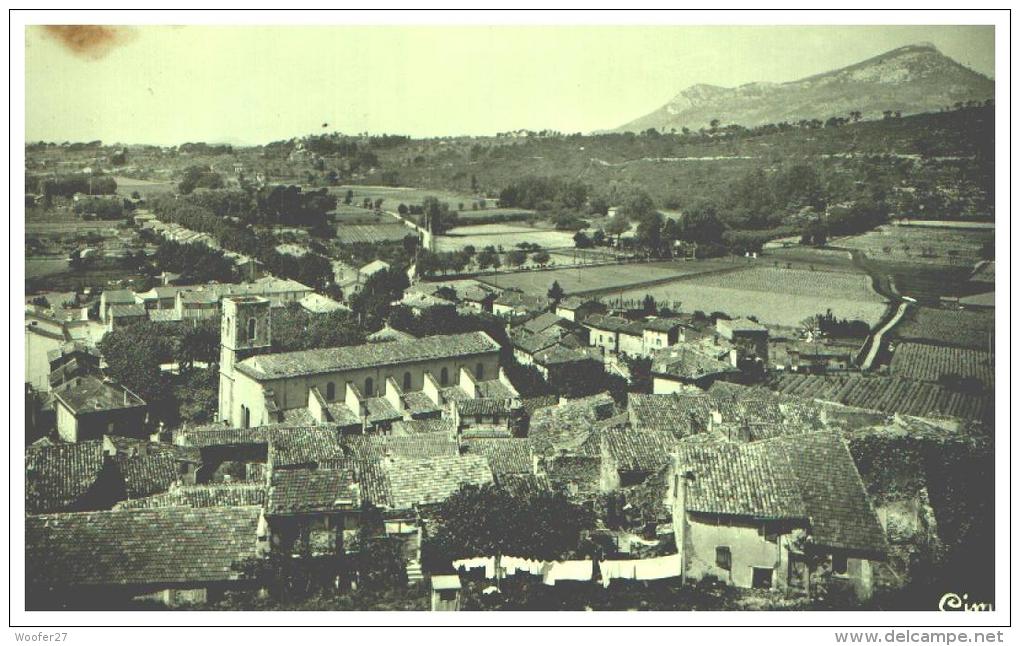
<point x="90" y="41"/>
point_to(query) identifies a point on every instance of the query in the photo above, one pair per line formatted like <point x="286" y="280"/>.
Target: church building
<point x="358" y="387"/>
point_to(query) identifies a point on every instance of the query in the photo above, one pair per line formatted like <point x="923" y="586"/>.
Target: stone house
<point x="778" y="514"/>
<point x="88" y="408"/>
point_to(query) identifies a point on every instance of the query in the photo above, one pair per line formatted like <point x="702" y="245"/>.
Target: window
<point x="448" y="595"/>
<point x="839" y="564"/>
<point x="723" y="558"/>
<point x="330" y="391"/>
<point x="761" y="578"/>
<point x="480" y="372"/>
<point x="246" y="417"/>
<point x="444" y="376"/>
<point x="368" y="387"/>
<point x="407" y="381"/>
<point x="252" y="325"/>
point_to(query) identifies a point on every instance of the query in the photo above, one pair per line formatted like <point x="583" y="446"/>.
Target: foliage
<point x="199" y="176"/>
<point x="294" y="328"/>
<point x="372" y="304"/>
<point x="488" y="520"/>
<point x="196" y="263"/>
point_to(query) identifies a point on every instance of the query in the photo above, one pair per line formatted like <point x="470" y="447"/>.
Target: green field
<point x="585" y="279"/>
<point x="502" y="235"/>
<point x="777" y="296"/>
<point x="963" y="328"/>
<point x="921" y="245"/>
<point x="391" y="230"/>
<point x="394" y="196"/>
<point x="145" y="188"/>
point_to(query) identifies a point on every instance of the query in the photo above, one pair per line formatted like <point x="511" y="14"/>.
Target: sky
<point x="254" y="84"/>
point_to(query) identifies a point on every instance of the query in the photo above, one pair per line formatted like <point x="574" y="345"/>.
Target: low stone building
<point x="774" y="514"/>
<point x="88" y="408"/>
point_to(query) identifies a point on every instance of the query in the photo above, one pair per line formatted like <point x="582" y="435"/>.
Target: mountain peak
<point x="910" y="79"/>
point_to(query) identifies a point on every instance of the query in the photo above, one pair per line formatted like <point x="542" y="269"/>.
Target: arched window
<point x="480" y="371"/>
<point x="444" y="376"/>
<point x="368" y="387"/>
<point x="407" y="381"/>
<point x="251" y="329"/>
<point x="246" y="414"/>
<point x="330" y="391"/>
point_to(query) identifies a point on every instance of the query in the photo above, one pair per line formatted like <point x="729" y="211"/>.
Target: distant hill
<point x="909" y="80"/>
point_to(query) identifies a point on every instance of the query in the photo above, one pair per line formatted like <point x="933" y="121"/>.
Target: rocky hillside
<point x="909" y="80"/>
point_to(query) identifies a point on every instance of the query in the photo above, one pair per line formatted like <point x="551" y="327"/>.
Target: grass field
<point x="921" y="245"/>
<point x="963" y="328"/>
<point x="44" y="265"/>
<point x="776" y="296"/>
<point x="390" y="230"/>
<point x="502" y="235"/>
<point x="145" y="188"/>
<point x="394" y="196"/>
<point x="583" y="279"/>
<point x="929" y="362"/>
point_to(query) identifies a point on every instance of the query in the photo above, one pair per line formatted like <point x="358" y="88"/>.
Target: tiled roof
<point x="130" y="446"/>
<point x="319" y="490"/>
<point x="678" y="414"/>
<point x="307" y="362"/>
<point x="634" y="450"/>
<point x="419" y="426"/>
<point x="225" y="494"/>
<point x="611" y="323"/>
<point x="684" y="362"/>
<point x="118" y="296"/>
<point x="483" y="406"/>
<point x="582" y="473"/>
<point x="134" y="309"/>
<point x="560" y="354"/>
<point x="751" y="479"/>
<point x="417" y="446"/>
<point x="87" y="394"/>
<point x="542" y="322"/>
<point x="520" y="301"/>
<point x="663" y="324"/>
<point x="144" y="475"/>
<point x="567" y="424"/>
<point x="375" y="485"/>
<point x="140" y="546"/>
<point x="486" y="432"/>
<point x="58" y="476"/>
<point x="304" y="446"/>
<point x="810" y="477"/>
<point x="530" y="343"/>
<point x="162" y="315"/>
<point x="381" y="410"/>
<point x="390" y="334"/>
<point x="418" y="403"/>
<point x="421" y="482"/>
<point x="524" y="485"/>
<point x="505" y="456"/>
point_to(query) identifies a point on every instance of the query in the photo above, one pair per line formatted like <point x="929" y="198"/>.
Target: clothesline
<point x="652" y="569"/>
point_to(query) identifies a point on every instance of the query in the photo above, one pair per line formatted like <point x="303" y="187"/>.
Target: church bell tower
<point x="245" y="331"/>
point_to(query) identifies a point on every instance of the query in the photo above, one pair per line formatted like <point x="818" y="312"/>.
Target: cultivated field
<point x="930" y="362"/>
<point x="354" y="233"/>
<point x="394" y="196"/>
<point x="925" y="245"/>
<point x="506" y="215"/>
<point x="585" y="279"/>
<point x="963" y="328"/>
<point x="777" y="296"/>
<point x="887" y="394"/>
<point x="502" y="235"/>
<point x="145" y="188"/>
<point x="45" y="265"/>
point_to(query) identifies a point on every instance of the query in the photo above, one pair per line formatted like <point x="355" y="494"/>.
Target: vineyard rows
<point x="929" y="362"/>
<point x="886" y="394"/>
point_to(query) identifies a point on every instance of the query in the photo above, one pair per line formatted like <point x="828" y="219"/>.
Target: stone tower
<point x="245" y="330"/>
